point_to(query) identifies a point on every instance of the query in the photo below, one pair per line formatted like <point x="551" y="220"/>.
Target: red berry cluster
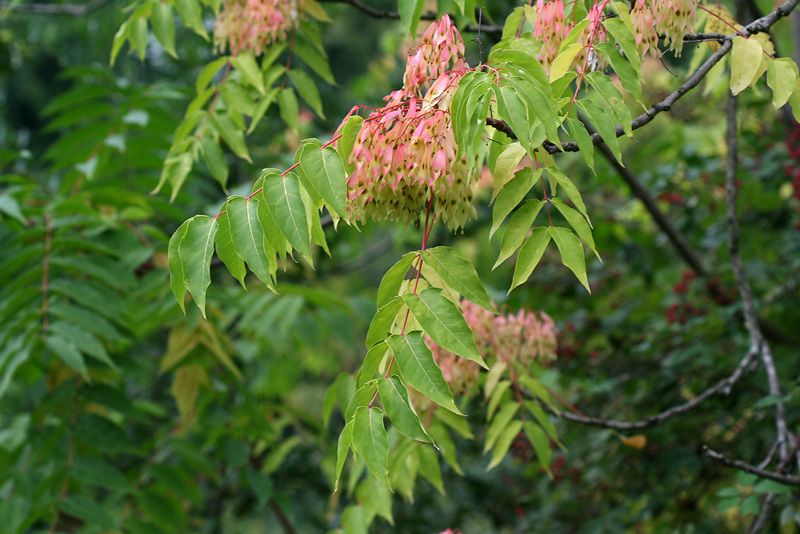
<point x="792" y="169"/>
<point x="680" y="312"/>
<point x="521" y="449"/>
<point x="671" y="198"/>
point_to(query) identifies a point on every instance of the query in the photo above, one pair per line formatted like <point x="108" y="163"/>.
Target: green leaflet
<point x="541" y="444"/>
<point x="215" y="159"/>
<point x="394" y="396"/>
<point x="261" y="109"/>
<point x="605" y="126"/>
<point x="577" y="222"/>
<point x="511" y="108"/>
<point x="371" y="443"/>
<point x="410" y="12"/>
<point x="345" y="144"/>
<point x="504" y="443"/>
<point x="67" y="353"/>
<point x="499" y="424"/>
<point x="372" y="362"/>
<point x="208" y="72"/>
<point x="504" y="166"/>
<point x="164" y="26"/>
<point x="382" y="323"/>
<point x="175" y="171"/>
<point x="517" y="228"/>
<point x="84" y="341"/>
<point x="307" y="90"/>
<point x="745" y="60"/>
<point x="781" y="78"/>
<point x="446" y="446"/>
<point x="458" y="274"/>
<point x="354" y="520"/>
<point x="571" y="253"/>
<point x="232" y="134"/>
<point x="281" y="196"/>
<point x="512" y="194"/>
<point x="247" y="235"/>
<point x="564" y="60"/>
<point x="246" y="64"/>
<point x="429" y="467"/>
<point x="315" y="60"/>
<point x="323" y="172"/>
<point x="189" y="253"/>
<point x="393" y="279"/>
<point x="628" y="76"/>
<point x="613" y="98"/>
<point x="342" y="448"/>
<point x="362" y="397"/>
<point x="529" y="256"/>
<point x="420" y="370"/>
<point x="624" y="37"/>
<point x="443" y="322"/>
<point x="584" y="140"/>
<point x="287" y="102"/>
<point x="376" y="499"/>
<point x="569" y="188"/>
<point x="191" y="15"/>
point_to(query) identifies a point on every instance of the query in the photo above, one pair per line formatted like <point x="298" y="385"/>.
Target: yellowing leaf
<point x="563" y="61"/>
<point x="781" y="78"/>
<point x="186" y="387"/>
<point x="745" y="61"/>
<point x="637" y="442"/>
<point x="720" y="21"/>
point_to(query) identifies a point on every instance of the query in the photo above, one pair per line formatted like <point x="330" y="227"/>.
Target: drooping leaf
<point x="410" y="12"/>
<point x="315" y="60"/>
<point x="345" y="144"/>
<point x="628" y="76"/>
<point x="382" y="323"/>
<point x="459" y="274"/>
<point x="444" y="323"/>
<point x="190" y="13"/>
<point x="504" y="443"/>
<point x="372" y="362"/>
<point x="393" y="279"/>
<point x="343" y="447"/>
<point x="362" y="397"/>
<point x="67" y="353"/>
<point x="517" y="228"/>
<point x="611" y="95"/>
<point x="605" y="126"/>
<point x="232" y="134"/>
<point x="400" y="410"/>
<point x="529" y="256"/>
<point x="247" y="235"/>
<point x="190" y="251"/>
<point x="504" y="166"/>
<point x="164" y="26"/>
<point x="419" y="369"/>
<point x="512" y="194"/>
<point x="429" y="467"/>
<point x="584" y="140"/>
<point x="287" y="101"/>
<point x="563" y="62"/>
<point x="371" y="443"/>
<point x="245" y="63"/>
<point x="745" y="61"/>
<point x="376" y="499"/>
<point x="571" y="253"/>
<point x="226" y="250"/>
<point x="307" y="90"/>
<point x="215" y="159"/>
<point x="281" y="196"/>
<point x="324" y="174"/>
<point x="624" y="37"/>
<point x="577" y="222"/>
<point x="781" y="77"/>
<point x="541" y="444"/>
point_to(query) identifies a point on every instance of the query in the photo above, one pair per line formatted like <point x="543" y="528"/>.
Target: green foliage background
<point x="184" y="424"/>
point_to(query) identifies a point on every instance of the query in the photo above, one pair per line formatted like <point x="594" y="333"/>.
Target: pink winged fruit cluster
<point x="252" y="25"/>
<point x="405" y="155"/>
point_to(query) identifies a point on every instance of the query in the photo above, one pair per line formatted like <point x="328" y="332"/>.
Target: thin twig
<point x="53" y="9"/>
<point x="723" y="387"/>
<point x="282" y="518"/>
<point x="749" y="468"/>
<point x="748" y="304"/>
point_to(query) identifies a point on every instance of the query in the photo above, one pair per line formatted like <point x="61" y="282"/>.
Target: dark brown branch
<point x="639" y="191"/>
<point x="282" y="519"/>
<point x="704" y="37"/>
<point x="53" y="9"/>
<point x="723" y="387"/>
<point x="377" y="13"/>
<point x="748" y="468"/>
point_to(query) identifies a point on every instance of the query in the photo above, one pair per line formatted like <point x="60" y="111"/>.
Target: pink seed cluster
<point x="550" y="27"/>
<point x="518" y="339"/>
<point x="405" y="153"/>
<point x="252" y="25"/>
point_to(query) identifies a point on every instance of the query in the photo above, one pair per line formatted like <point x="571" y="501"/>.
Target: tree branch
<point x="749" y="468"/>
<point x="722" y="387"/>
<point x="53" y="9"/>
<point x="377" y="13"/>
<point x="748" y="304"/>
